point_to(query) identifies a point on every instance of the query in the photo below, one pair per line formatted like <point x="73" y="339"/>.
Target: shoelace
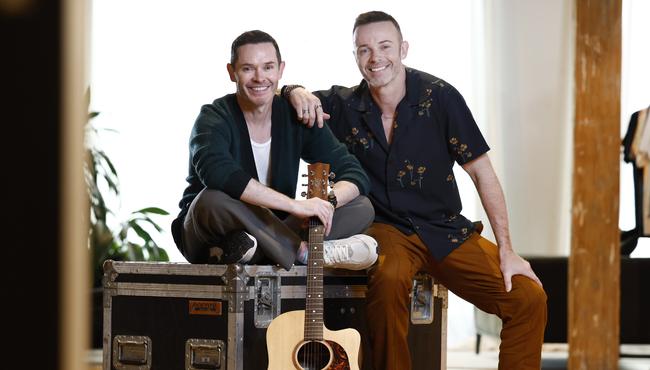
<point x="338" y="253"/>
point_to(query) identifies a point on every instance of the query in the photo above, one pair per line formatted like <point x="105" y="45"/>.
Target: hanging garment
<point x="636" y="150"/>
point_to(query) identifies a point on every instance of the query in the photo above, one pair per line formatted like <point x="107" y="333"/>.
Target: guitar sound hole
<point x="313" y="356"/>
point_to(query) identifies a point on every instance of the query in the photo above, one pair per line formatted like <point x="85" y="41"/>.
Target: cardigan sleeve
<point x="212" y="138"/>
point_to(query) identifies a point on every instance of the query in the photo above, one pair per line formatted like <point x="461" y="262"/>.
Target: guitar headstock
<point x="318" y="175"/>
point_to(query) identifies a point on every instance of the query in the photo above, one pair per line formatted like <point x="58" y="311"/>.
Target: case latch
<point x="131" y="352"/>
<point x="267" y="299"/>
<point x="204" y="354"/>
<point x="422" y="297"/>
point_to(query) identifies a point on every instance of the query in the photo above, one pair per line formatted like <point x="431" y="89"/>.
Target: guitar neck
<point x="314" y="300"/>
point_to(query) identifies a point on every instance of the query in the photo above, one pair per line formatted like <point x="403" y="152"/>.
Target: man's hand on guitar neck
<point x="260" y="195"/>
<point x="315" y="207"/>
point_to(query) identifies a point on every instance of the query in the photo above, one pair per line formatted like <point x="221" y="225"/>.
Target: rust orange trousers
<point x="471" y="272"/>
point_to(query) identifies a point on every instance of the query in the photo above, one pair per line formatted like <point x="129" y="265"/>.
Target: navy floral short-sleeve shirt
<point x="412" y="181"/>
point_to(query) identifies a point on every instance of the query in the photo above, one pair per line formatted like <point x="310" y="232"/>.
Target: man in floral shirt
<point x="408" y="129"/>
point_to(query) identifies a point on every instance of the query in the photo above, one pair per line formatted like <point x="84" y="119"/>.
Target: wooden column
<point x="594" y="264"/>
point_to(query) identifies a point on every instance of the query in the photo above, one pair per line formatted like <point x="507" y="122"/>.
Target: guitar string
<point x="315" y="271"/>
<point x="313" y="229"/>
<point x="314" y="267"/>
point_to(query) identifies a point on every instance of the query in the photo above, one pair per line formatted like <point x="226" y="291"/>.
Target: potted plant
<point x="131" y="239"/>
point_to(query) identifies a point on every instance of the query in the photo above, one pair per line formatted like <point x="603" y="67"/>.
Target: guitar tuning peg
<point x="304" y="175"/>
<point x="332" y="175"/>
<point x="303" y="184"/>
<point x="303" y="194"/>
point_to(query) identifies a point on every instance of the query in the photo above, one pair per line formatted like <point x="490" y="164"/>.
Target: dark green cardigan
<point x="221" y="156"/>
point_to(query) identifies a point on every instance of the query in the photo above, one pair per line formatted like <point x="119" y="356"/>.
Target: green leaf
<point x="140" y="231"/>
<point x="156" y="210"/>
<point x="156" y="253"/>
<point x="147" y="219"/>
<point x="162" y="255"/>
<point x="135" y="252"/>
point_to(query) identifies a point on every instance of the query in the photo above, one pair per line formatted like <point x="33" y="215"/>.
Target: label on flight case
<point x="212" y="308"/>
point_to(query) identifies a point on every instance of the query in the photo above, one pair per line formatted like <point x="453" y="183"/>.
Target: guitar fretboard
<point x="314" y="299"/>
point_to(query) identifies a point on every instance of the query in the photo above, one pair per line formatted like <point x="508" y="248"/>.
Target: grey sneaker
<point x="357" y="252"/>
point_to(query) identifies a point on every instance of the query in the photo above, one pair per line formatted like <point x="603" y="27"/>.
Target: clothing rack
<point x="636" y="150"/>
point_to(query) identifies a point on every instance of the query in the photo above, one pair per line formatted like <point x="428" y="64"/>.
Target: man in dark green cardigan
<point x="245" y="150"/>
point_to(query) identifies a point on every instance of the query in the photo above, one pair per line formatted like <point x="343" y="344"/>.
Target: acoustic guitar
<point x="299" y="339"/>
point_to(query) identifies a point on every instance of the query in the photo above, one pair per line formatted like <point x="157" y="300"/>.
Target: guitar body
<point x="285" y="336"/>
<point x="299" y="340"/>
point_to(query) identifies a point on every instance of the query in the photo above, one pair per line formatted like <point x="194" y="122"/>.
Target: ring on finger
<point x="318" y="106"/>
<point x="305" y="110"/>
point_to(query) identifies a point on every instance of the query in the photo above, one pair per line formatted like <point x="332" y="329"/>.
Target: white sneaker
<point x="357" y="252"/>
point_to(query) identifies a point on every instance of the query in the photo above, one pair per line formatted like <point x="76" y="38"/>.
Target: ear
<point x="231" y="72"/>
<point x="404" y="48"/>
<point x="281" y="70"/>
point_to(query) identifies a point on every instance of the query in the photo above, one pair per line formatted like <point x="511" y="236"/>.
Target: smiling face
<point x="379" y="50"/>
<point x="257" y="72"/>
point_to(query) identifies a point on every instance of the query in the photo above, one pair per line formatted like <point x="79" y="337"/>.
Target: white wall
<point x="529" y="103"/>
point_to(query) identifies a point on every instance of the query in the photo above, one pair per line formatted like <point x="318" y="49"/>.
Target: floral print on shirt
<point x="460" y="149"/>
<point x="411" y="175"/>
<point x="355" y="139"/>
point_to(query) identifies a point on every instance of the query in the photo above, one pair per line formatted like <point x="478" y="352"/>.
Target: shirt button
<point x="417" y="227"/>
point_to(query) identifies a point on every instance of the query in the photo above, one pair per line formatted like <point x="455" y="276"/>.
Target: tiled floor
<point x="464" y="358"/>
<point x="554" y="357"/>
<point x="459" y="360"/>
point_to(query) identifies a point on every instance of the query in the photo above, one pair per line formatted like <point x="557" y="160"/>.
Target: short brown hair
<point x="252" y="37"/>
<point x="374" y="17"/>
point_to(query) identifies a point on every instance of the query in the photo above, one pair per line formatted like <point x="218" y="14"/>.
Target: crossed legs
<point x="213" y="214"/>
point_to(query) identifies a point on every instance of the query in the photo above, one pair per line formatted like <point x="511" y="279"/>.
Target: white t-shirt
<point x="262" y="155"/>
